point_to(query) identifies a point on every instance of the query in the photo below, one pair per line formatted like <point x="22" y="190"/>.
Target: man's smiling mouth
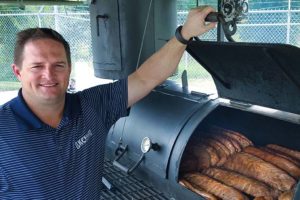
<point x="49" y="85"/>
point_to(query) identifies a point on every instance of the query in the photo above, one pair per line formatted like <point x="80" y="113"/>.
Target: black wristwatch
<point x="179" y="36"/>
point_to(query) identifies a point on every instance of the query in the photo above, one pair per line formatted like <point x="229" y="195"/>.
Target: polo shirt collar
<point x="25" y="117"/>
<point x="28" y="120"/>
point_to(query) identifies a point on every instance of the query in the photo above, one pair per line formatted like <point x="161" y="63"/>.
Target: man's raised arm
<point x="164" y="62"/>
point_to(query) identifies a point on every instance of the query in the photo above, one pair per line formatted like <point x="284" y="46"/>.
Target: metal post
<point x="39" y="16"/>
<point x="288" y="31"/>
<point x="56" y="17"/>
<point x="220" y="32"/>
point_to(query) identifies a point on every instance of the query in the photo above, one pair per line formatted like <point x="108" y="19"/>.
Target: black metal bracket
<point x="229" y="27"/>
<point x="125" y="169"/>
<point x="104" y="18"/>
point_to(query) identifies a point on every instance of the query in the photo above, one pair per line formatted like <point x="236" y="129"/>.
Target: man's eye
<point x="36" y="67"/>
<point x="60" y="67"/>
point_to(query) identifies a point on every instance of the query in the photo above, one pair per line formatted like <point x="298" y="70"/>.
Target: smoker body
<point x="258" y="90"/>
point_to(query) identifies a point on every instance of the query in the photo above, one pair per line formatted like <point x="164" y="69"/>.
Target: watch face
<point x="146" y="145"/>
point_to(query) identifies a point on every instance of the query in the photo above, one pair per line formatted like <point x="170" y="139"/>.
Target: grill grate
<point x="127" y="187"/>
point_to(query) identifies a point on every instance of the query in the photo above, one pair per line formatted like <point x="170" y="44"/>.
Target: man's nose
<point x="48" y="72"/>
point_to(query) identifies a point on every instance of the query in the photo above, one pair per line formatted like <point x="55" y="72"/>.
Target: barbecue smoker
<point x="179" y="141"/>
<point x="258" y="88"/>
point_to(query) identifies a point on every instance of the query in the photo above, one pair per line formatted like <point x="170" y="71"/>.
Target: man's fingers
<point x="207" y="9"/>
<point x="210" y="25"/>
<point x="195" y="24"/>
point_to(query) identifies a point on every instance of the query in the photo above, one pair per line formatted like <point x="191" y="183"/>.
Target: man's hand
<point x="195" y="24"/>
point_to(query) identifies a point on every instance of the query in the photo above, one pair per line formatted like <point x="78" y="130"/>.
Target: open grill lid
<point x="255" y="73"/>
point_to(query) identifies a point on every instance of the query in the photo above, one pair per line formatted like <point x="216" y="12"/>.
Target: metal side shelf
<point x="127" y="187"/>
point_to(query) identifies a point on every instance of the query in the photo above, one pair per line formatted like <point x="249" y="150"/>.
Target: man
<point x="51" y="142"/>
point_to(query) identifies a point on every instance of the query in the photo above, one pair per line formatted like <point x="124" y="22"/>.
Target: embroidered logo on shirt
<point x="84" y="139"/>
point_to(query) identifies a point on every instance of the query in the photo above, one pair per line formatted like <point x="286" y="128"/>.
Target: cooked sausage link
<point x="295" y="154"/>
<point x="220" y="149"/>
<point x="235" y="143"/>
<point x="227" y="143"/>
<point x="277" y="153"/>
<point x="214" y="157"/>
<point x="278" y="161"/>
<point x="243" y="140"/>
<point x="215" y="187"/>
<point x="259" y="169"/>
<point x="197" y="190"/>
<point x="248" y="185"/>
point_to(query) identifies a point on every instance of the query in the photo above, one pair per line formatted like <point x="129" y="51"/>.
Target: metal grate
<point x="128" y="187"/>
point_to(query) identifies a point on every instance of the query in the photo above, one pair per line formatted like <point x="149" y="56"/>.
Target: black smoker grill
<point x="259" y="94"/>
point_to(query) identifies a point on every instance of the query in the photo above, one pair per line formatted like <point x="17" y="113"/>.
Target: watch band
<point x="179" y="36"/>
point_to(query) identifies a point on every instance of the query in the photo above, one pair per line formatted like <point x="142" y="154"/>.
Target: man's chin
<point x="54" y="98"/>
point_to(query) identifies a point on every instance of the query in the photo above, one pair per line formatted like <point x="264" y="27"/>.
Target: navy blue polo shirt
<point x="41" y="162"/>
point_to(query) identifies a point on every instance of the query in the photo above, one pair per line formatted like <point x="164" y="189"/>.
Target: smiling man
<point x="44" y="73"/>
<point x="52" y="142"/>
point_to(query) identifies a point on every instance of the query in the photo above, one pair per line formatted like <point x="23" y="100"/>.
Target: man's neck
<point x="50" y="113"/>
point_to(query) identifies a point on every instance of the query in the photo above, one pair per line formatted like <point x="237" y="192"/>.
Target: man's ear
<point x="16" y="71"/>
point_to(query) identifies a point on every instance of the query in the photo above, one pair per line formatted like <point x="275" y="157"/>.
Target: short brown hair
<point x="38" y="33"/>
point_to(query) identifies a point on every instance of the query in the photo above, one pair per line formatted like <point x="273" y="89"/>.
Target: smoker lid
<point x="255" y="73"/>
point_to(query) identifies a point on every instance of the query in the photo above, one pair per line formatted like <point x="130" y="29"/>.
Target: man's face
<point x="44" y="71"/>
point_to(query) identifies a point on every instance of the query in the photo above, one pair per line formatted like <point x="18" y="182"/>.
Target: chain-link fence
<point x="274" y="26"/>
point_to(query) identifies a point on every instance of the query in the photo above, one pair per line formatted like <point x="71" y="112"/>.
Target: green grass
<point x="9" y="85"/>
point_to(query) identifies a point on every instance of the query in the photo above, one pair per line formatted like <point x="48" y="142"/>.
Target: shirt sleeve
<point x="109" y="100"/>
